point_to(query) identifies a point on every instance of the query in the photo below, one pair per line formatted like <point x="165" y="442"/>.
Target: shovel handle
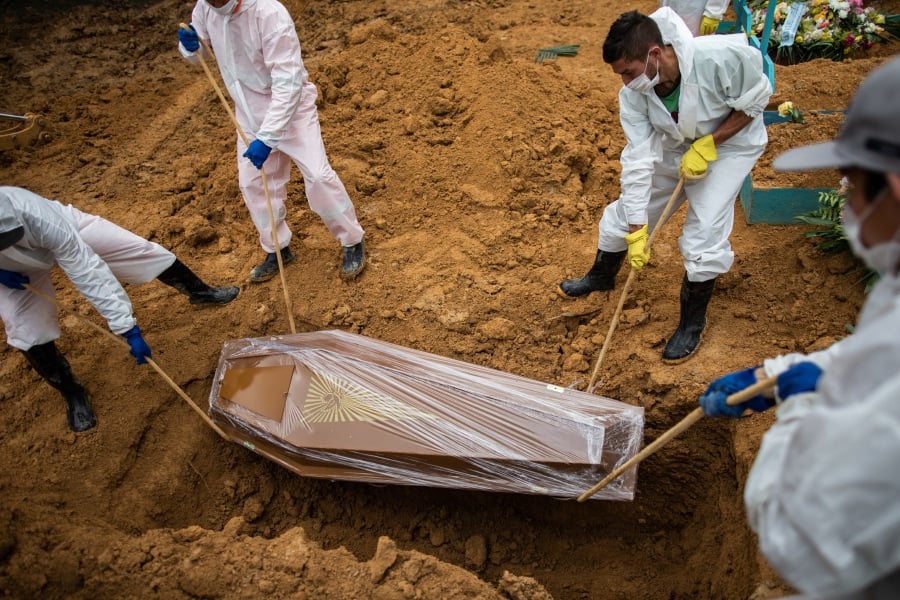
<point x="695" y="415"/>
<point x="215" y="85"/>
<point x="118" y="340"/>
<point x="631" y="275"/>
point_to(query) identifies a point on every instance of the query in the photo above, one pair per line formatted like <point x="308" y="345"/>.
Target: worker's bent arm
<point x="733" y="123"/>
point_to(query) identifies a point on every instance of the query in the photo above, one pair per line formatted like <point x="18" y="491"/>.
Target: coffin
<point x="342" y="406"/>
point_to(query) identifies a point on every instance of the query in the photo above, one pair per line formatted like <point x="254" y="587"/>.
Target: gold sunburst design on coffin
<point x="331" y="399"/>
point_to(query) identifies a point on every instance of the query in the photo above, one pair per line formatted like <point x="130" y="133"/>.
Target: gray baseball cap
<point x="870" y="135"/>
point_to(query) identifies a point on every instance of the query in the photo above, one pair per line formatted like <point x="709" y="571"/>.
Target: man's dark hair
<point x="630" y="37"/>
<point x="8" y="238"/>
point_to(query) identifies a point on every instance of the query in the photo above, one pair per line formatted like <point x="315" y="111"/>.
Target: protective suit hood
<point x="230" y="8"/>
<point x="676" y="34"/>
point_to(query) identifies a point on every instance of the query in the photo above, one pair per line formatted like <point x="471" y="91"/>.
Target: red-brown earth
<point x="479" y="176"/>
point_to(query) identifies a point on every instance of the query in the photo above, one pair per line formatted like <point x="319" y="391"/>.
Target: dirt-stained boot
<point x="268" y="268"/>
<point x="50" y="364"/>
<point x="353" y="260"/>
<point x="602" y="276"/>
<point x="694" y="300"/>
<point x="180" y="277"/>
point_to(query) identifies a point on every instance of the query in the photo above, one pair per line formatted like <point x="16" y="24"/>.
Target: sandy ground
<point x="479" y="177"/>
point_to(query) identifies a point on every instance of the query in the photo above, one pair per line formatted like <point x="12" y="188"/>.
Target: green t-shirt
<point x="671" y="101"/>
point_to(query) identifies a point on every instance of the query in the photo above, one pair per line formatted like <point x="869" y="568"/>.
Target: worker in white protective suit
<point x="258" y="53"/>
<point x="823" y="491"/>
<point x="701" y="16"/>
<point x="691" y="107"/>
<point x="95" y="254"/>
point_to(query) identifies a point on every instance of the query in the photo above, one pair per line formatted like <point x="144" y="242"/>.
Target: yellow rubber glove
<point x="638" y="253"/>
<point x="708" y="26"/>
<point x="696" y="160"/>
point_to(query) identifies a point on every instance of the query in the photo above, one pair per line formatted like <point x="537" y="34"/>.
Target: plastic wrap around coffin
<point x="342" y="406"/>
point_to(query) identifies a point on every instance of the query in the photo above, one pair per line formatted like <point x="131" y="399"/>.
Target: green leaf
<point x="831" y="237"/>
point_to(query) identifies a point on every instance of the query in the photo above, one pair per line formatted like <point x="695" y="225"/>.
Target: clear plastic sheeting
<point x="337" y="405"/>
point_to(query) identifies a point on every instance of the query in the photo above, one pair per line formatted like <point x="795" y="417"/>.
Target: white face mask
<point x="643" y="84"/>
<point x="884" y="257"/>
<point x="226" y="9"/>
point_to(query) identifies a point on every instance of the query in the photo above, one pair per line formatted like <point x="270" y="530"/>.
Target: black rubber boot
<point x="353" y="260"/>
<point x="180" y="277"/>
<point x="54" y="368"/>
<point x="268" y="268"/>
<point x="602" y="276"/>
<point x="694" y="300"/>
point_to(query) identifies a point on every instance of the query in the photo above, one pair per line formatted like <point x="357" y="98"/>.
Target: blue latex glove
<point x="189" y="39"/>
<point x="13" y="280"/>
<point x="713" y="399"/>
<point x="257" y="152"/>
<point x="139" y="348"/>
<point x="802" y="377"/>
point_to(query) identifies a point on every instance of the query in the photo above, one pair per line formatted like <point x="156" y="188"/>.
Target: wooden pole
<point x="736" y="398"/>
<point x="615" y="320"/>
<point x="212" y="80"/>
<point x="120" y="341"/>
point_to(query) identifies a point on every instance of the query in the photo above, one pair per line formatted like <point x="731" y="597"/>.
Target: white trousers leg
<point x="704" y="244"/>
<point x="302" y="145"/>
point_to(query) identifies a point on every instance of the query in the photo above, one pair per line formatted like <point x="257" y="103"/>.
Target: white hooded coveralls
<point x="719" y="74"/>
<point x="94" y="253"/>
<point x="824" y="490"/>
<point x="693" y="11"/>
<point x="258" y="54"/>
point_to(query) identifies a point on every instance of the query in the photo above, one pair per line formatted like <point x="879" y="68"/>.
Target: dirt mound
<point x="479" y="176"/>
<point x="199" y="563"/>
